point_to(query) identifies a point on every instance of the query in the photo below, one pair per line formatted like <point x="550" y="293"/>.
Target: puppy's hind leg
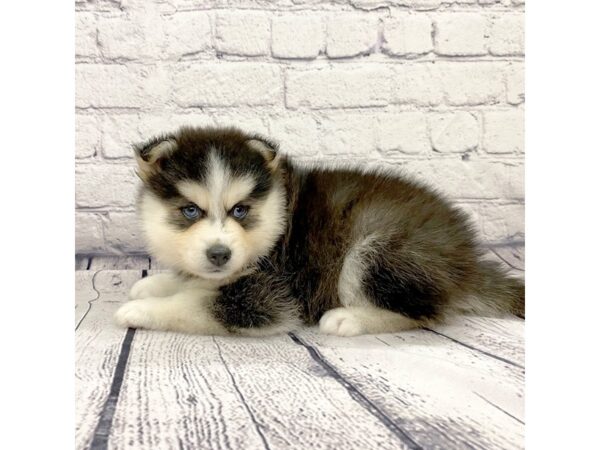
<point x="378" y="296"/>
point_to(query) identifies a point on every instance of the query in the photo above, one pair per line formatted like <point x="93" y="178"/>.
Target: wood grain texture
<point x="97" y="344"/>
<point x="441" y="393"/>
<point x="459" y="385"/>
<point x="227" y="393"/>
<point x="120" y="262"/>
<point x="502" y="337"/>
<point x="82" y="262"/>
<point x="84" y="294"/>
<point x="155" y="264"/>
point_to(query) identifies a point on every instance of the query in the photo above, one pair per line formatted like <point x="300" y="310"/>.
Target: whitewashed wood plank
<point x="501" y="337"/>
<point x="443" y="394"/>
<point x="194" y="392"/>
<point x="97" y="344"/>
<point x="81" y="262"/>
<point x="120" y="263"/>
<point x="84" y="293"/>
<point x="156" y="264"/>
<point x="303" y="404"/>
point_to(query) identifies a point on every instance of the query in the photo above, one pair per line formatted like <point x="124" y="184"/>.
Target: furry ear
<point x="150" y="154"/>
<point x="266" y="148"/>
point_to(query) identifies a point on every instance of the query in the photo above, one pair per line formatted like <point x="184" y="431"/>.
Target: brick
<point x="187" y="33"/>
<point x="123" y="233"/>
<point x="146" y="78"/>
<point x="243" y="33"/>
<point x="424" y="5"/>
<point x="418" y="5"/>
<point x="191" y="120"/>
<point x="250" y="123"/>
<point x="515" y="84"/>
<point x="155" y="85"/>
<point x="119" y="133"/>
<point x="297" y="36"/>
<point x="351" y="35"/>
<point x="472" y="83"/>
<point x="507" y="35"/>
<point x="403" y="133"/>
<point x="140" y="6"/>
<point x="230" y="84"/>
<point x="87" y="136"/>
<point x="407" y="35"/>
<point x="145" y="35"/>
<point x="137" y="37"/>
<point x="501" y="223"/>
<point x="89" y="237"/>
<point x="473" y="211"/>
<point x="298" y="136"/>
<point x="105" y="85"/>
<point x="86" y="35"/>
<point x="417" y="84"/>
<point x="503" y="131"/>
<point x="105" y="185"/>
<point x="471" y="179"/>
<point x="455" y="132"/>
<point x="120" y="86"/>
<point x="339" y="86"/>
<point x="339" y="136"/>
<point x="460" y="34"/>
<point x="375" y="4"/>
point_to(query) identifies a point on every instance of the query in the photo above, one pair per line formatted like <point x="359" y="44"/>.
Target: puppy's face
<point x="213" y="201"/>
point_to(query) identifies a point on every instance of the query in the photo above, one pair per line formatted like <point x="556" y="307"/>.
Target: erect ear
<point x="267" y="149"/>
<point x="149" y="155"/>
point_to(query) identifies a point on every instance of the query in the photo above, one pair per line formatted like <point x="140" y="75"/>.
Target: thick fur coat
<point x="260" y="245"/>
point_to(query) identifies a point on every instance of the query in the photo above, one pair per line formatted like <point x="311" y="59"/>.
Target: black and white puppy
<point x="259" y="245"/>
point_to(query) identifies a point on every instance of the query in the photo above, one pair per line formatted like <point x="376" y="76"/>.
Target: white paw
<point x="340" y="322"/>
<point x="158" y="285"/>
<point x="141" y="289"/>
<point x="134" y="314"/>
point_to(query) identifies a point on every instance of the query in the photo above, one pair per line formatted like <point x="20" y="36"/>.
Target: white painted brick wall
<point x="431" y="87"/>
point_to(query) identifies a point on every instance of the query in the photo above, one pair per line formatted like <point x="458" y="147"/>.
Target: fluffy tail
<point x="499" y="291"/>
<point x="494" y="292"/>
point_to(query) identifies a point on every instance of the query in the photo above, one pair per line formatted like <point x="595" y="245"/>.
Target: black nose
<point x="218" y="254"/>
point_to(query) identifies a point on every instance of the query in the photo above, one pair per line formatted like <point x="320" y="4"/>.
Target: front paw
<point x="340" y="322"/>
<point x="159" y="285"/>
<point x="134" y="314"/>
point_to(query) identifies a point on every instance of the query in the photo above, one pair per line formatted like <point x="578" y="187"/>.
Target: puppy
<point x="259" y="245"/>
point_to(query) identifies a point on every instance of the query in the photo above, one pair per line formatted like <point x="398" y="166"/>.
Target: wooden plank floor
<point x="458" y="386"/>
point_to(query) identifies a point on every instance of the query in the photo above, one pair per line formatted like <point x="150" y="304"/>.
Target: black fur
<point x="189" y="162"/>
<point x="402" y="292"/>
<point x="424" y="259"/>
<point x="255" y="301"/>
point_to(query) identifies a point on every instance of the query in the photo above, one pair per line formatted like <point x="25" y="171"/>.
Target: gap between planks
<point x="252" y="399"/>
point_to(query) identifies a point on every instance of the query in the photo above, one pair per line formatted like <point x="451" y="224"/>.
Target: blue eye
<point x="191" y="212"/>
<point x="239" y="211"/>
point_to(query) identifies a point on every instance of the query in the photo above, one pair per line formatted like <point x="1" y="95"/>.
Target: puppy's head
<point x="213" y="201"/>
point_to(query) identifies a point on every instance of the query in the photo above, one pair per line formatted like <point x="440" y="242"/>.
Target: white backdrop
<point x="433" y="87"/>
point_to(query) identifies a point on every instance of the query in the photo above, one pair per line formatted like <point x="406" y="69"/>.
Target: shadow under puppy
<point x="259" y="245"/>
